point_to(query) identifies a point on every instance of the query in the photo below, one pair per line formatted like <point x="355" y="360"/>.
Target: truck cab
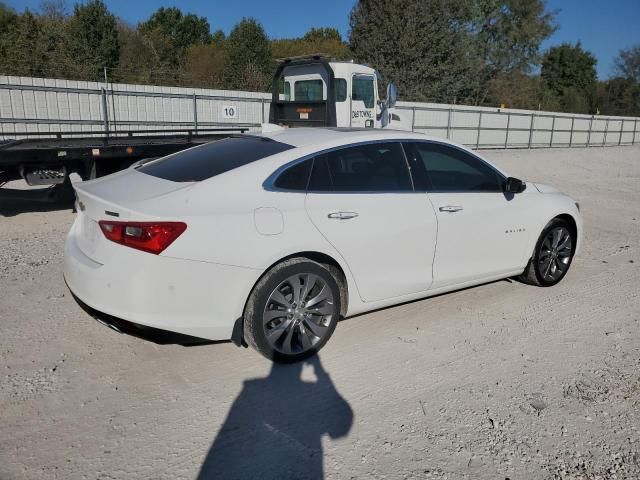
<point x="316" y="92"/>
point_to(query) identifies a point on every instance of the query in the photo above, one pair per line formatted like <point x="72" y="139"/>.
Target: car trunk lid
<point x="123" y="196"/>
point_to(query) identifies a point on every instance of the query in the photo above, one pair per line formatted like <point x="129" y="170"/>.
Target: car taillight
<point x="152" y="237"/>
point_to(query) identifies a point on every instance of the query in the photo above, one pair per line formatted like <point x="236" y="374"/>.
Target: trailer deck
<point x="91" y="154"/>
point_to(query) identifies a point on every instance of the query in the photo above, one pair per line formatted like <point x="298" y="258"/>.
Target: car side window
<point x="449" y="169"/>
<point x="375" y="167"/>
<point x="295" y="178"/>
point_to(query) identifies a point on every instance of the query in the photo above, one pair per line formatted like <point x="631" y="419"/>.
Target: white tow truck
<point x="313" y="91"/>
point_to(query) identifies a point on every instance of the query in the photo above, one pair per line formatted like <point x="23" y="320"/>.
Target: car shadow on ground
<point x="16" y="201"/>
<point x="275" y="426"/>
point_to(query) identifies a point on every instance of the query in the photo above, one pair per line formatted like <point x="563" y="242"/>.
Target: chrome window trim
<point x="269" y="183"/>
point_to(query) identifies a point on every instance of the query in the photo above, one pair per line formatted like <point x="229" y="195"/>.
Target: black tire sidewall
<point x="556" y="222"/>
<point x="259" y="298"/>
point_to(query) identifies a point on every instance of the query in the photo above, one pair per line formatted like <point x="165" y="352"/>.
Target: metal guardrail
<point x="133" y="133"/>
<point x="531" y="129"/>
<point x="108" y="123"/>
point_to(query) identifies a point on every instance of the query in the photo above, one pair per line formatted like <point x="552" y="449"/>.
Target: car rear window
<point x="211" y="159"/>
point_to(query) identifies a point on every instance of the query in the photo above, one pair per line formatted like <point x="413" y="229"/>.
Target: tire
<point x="285" y="326"/>
<point x="551" y="262"/>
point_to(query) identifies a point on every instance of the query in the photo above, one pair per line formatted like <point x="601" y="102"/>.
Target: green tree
<point x="621" y="95"/>
<point x="204" y="65"/>
<point x="454" y="48"/>
<point x="8" y="21"/>
<point x="8" y="17"/>
<point x="184" y="30"/>
<point x="317" y="40"/>
<point x="321" y="34"/>
<point x="570" y="73"/>
<point x="9" y="25"/>
<point x="521" y="90"/>
<point x="509" y="34"/>
<point x="294" y="47"/>
<point x="53" y="20"/>
<point x="145" y="58"/>
<point x="218" y="38"/>
<point x="618" y="96"/>
<point x="92" y="39"/>
<point x="627" y="63"/>
<point x="249" y="61"/>
<point x="426" y="46"/>
<point x="22" y="50"/>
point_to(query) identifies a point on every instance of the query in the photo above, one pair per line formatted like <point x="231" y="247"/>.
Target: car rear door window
<point x="206" y="161"/>
<point x="375" y="167"/>
<point x="295" y="178"/>
<point x="449" y="169"/>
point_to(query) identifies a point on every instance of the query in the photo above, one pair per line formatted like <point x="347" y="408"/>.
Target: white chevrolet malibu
<point x="271" y="239"/>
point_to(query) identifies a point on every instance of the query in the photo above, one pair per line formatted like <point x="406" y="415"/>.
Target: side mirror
<point x="514" y="185"/>
<point x="392" y="95"/>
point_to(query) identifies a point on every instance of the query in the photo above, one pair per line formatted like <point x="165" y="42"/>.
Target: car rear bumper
<point x="155" y="335"/>
<point x="198" y="299"/>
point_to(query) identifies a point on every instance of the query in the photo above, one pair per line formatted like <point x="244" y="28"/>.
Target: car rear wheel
<point x="293" y="310"/>
<point x="552" y="256"/>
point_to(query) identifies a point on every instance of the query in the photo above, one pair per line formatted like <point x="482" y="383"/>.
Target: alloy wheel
<point x="298" y="313"/>
<point x="555" y="254"/>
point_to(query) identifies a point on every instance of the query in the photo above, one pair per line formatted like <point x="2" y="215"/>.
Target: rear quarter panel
<point x="221" y="217"/>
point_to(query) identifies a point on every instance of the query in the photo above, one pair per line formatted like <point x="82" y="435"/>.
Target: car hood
<point x="542" y="188"/>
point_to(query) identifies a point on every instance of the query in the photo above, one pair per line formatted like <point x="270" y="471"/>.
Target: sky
<point x="602" y="27"/>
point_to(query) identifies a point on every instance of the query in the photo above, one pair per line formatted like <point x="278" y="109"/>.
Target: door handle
<point x="342" y="215"/>
<point x="450" y="208"/>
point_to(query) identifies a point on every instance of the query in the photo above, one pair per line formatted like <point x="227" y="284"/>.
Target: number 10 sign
<point x="229" y="111"/>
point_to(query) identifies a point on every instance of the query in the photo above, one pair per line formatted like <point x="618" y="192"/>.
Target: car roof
<point x="318" y="136"/>
<point x="313" y="139"/>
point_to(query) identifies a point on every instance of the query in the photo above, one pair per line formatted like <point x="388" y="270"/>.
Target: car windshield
<point x="206" y="161"/>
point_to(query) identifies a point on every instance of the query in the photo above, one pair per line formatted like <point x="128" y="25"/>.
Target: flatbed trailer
<point x="49" y="158"/>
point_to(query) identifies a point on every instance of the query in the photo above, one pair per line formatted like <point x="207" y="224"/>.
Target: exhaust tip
<point x="111" y="325"/>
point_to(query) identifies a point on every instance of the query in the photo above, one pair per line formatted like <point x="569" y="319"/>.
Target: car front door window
<point x="453" y="170"/>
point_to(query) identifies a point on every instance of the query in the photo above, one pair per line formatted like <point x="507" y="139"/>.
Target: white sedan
<point x="271" y="239"/>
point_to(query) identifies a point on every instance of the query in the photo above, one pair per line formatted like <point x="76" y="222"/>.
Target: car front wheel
<point x="293" y="310"/>
<point x="552" y="256"/>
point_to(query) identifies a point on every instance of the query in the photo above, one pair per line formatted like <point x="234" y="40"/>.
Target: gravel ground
<point x="499" y="381"/>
